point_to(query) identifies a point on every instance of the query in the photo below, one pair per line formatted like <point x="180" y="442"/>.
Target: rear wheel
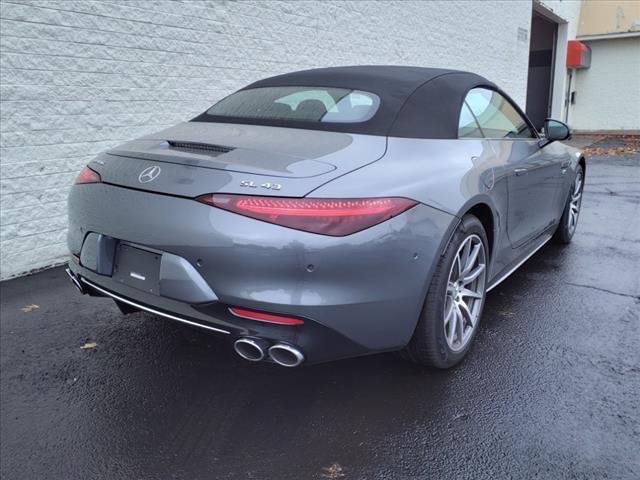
<point x="569" y="220"/>
<point x="455" y="299"/>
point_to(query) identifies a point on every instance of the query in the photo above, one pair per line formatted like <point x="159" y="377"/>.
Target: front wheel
<point x="569" y="220"/>
<point x="452" y="309"/>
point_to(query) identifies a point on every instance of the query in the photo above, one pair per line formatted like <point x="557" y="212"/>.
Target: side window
<point x="496" y="116"/>
<point x="467" y="125"/>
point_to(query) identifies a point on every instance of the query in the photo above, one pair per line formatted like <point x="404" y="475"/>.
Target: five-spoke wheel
<point x="454" y="302"/>
<point x="465" y="292"/>
<point x="574" y="202"/>
<point x="569" y="220"/>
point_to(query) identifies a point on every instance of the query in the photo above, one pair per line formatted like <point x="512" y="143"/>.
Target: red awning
<point x="578" y="55"/>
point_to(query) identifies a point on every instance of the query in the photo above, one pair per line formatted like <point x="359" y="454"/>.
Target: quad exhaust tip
<point x="286" y="355"/>
<point x="257" y="349"/>
<point x="75" y="281"/>
<point x="252" y="349"/>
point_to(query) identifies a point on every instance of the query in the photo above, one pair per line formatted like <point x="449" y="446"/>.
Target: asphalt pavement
<point x="551" y="388"/>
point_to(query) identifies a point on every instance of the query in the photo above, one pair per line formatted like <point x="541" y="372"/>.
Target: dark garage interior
<point x="540" y="77"/>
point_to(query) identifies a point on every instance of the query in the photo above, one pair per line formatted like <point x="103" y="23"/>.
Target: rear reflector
<point x="330" y="216"/>
<point x="87" y="175"/>
<point x="264" y="317"/>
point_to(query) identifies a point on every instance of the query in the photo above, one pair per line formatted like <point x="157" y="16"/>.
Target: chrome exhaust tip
<point x="75" y="281"/>
<point x="252" y="349"/>
<point x="286" y="355"/>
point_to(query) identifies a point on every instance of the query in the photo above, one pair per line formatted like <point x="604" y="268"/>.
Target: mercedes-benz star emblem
<point x="149" y="174"/>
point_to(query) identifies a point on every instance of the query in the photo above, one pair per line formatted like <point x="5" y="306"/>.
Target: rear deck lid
<point x="194" y="158"/>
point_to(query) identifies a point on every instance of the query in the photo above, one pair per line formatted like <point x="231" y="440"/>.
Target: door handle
<point x="520" y="171"/>
<point x="565" y="165"/>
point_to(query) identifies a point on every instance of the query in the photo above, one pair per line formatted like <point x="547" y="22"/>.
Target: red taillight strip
<point x="265" y="317"/>
<point x="325" y="216"/>
<point x="87" y="175"/>
<point x="313" y="208"/>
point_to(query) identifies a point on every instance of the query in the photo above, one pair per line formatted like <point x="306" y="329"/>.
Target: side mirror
<point x="554" y="130"/>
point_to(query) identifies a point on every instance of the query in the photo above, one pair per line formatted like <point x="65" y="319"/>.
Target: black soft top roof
<point x="415" y="102"/>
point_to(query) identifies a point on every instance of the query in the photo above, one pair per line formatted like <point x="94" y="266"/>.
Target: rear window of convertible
<point x="306" y="104"/>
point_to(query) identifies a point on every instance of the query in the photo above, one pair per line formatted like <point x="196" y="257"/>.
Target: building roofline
<point x="607" y="36"/>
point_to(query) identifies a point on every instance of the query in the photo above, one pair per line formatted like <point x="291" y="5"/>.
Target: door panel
<point x="532" y="173"/>
<point x="532" y="181"/>
<point x="558" y="153"/>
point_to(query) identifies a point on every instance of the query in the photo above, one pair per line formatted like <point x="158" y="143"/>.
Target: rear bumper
<point x="318" y="343"/>
<point x="358" y="294"/>
<point x="86" y="286"/>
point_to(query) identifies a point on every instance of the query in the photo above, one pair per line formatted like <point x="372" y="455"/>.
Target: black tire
<point x="428" y="346"/>
<point x="564" y="232"/>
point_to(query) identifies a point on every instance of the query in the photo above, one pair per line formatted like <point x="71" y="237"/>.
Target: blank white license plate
<point x="137" y="268"/>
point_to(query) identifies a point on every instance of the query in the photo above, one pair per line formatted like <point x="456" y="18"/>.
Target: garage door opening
<point x="541" y="61"/>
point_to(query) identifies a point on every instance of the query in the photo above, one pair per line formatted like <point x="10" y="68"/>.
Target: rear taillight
<point x="87" y="175"/>
<point x="328" y="216"/>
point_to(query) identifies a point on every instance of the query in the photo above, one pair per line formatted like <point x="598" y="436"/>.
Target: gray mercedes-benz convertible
<point x="328" y="213"/>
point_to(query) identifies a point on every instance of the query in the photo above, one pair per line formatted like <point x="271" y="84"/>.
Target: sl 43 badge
<point x="268" y="186"/>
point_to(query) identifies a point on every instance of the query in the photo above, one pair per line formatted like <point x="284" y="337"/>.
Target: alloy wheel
<point x="574" y="203"/>
<point x="465" y="292"/>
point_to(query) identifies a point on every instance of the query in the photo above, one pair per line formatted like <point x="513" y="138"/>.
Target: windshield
<point x="306" y="104"/>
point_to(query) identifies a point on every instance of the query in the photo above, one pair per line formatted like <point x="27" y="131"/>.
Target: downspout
<point x="567" y="98"/>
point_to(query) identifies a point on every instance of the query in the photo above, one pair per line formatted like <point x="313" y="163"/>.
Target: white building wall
<point x="608" y="93"/>
<point x="78" y="77"/>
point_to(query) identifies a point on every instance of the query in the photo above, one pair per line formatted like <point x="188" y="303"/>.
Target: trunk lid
<point x="195" y="158"/>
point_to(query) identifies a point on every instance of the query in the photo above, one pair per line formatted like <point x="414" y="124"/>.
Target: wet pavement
<point x="551" y="388"/>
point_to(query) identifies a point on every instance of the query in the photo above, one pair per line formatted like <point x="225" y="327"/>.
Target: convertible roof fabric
<point x="415" y="102"/>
